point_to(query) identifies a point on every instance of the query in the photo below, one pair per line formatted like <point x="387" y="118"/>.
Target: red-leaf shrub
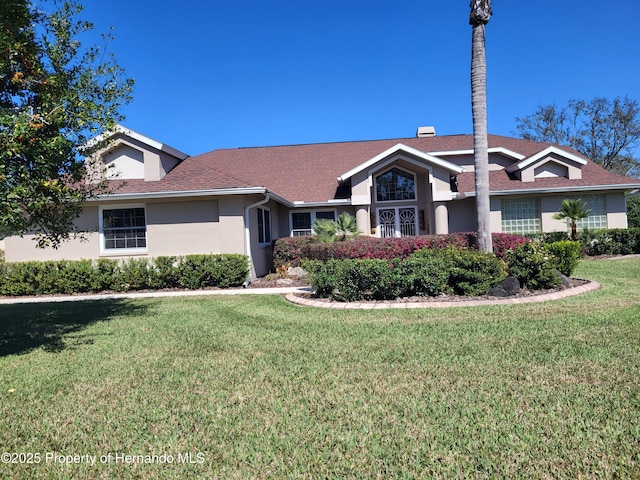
<point x="291" y="250"/>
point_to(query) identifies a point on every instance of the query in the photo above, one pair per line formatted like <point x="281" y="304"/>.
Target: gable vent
<point x="426" y="132"/>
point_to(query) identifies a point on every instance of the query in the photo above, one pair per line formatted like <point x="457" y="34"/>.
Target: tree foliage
<point x="55" y="95"/>
<point x="633" y="211"/>
<point x="605" y="131"/>
<point x="336" y="230"/>
<point x="572" y="210"/>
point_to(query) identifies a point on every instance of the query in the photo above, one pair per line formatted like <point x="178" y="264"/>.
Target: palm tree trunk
<point x="479" y="114"/>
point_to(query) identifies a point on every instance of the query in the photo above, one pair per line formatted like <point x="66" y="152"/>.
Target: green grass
<point x="265" y="389"/>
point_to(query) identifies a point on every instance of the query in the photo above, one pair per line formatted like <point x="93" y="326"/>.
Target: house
<point x="240" y="200"/>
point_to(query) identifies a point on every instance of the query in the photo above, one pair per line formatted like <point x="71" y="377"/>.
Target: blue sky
<point x="240" y="73"/>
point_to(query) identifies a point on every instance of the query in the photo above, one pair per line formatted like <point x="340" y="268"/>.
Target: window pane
<point x="326" y="215"/>
<point x="264" y="226"/>
<point x="521" y="215"/>
<point x="598" y="216"/>
<point x="301" y="220"/>
<point x="124" y="228"/>
<point x="395" y="184"/>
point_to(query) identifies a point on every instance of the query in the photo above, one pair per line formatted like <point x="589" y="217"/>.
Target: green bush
<point x="615" y="241"/>
<point x="471" y="272"/>
<point x="20" y="278"/>
<point x="63" y="276"/>
<point x="566" y="254"/>
<point x="166" y="274"/>
<point x="200" y="271"/>
<point x="424" y="273"/>
<point x="105" y="276"/>
<point x="134" y="275"/>
<point x="633" y="211"/>
<point x="351" y="280"/>
<point x="533" y="265"/>
<point x="74" y="277"/>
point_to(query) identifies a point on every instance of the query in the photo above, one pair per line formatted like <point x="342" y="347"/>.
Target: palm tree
<point x="573" y="209"/>
<point x="478" y="19"/>
<point x="336" y="230"/>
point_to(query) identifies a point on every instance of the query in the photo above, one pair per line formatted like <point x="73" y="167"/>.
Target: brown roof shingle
<point x="309" y="172"/>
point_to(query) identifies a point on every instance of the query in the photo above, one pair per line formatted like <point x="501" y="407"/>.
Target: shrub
<point x="291" y="250"/>
<point x="228" y="270"/>
<point x="533" y="265"/>
<point x="200" y="271"/>
<point x="633" y="211"/>
<point x="566" y="254"/>
<point x="134" y="275"/>
<point x="107" y="271"/>
<point x="51" y="277"/>
<point x="472" y="272"/>
<point x="615" y="241"/>
<point x="74" y="277"/>
<point x="166" y="273"/>
<point x="354" y="279"/>
<point x="21" y="278"/>
<point x="548" y="237"/>
<point x="426" y="272"/>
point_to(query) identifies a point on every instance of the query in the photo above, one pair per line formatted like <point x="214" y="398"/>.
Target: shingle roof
<point x="309" y="172"/>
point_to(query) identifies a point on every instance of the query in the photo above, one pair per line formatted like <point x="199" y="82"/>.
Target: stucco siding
<point x="462" y="215"/>
<point x="23" y="249"/>
<point x="616" y="210"/>
<point x="181" y="228"/>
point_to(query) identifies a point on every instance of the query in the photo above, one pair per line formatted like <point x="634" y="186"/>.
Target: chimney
<point x="426" y="132"/>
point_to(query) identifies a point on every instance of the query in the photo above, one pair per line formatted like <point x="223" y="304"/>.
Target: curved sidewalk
<point x="292" y="295"/>
<point x="545" y="297"/>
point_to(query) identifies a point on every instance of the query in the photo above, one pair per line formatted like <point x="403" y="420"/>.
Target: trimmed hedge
<point x="291" y="251"/>
<point x="449" y="270"/>
<point x="428" y="272"/>
<point x="65" y="277"/>
<point x="615" y="241"/>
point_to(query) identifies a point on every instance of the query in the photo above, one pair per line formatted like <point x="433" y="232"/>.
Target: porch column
<point x="441" y="218"/>
<point x="362" y="220"/>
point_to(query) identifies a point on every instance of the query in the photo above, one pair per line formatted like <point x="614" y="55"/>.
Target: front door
<point x="397" y="222"/>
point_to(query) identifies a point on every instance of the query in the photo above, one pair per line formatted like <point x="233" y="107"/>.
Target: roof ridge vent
<point x="426" y="132"/>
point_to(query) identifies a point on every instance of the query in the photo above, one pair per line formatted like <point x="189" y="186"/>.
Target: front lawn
<point x="254" y="387"/>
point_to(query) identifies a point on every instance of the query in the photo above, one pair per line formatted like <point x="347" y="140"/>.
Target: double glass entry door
<point x="397" y="222"/>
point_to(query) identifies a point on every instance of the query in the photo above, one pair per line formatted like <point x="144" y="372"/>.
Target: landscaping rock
<point x="498" y="292"/>
<point x="511" y="285"/>
<point x="566" y="281"/>
<point x="508" y="287"/>
<point x="297" y="272"/>
<point x="284" y="282"/>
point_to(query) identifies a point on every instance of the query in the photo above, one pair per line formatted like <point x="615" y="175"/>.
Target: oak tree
<point x="55" y="95"/>
<point x="606" y="131"/>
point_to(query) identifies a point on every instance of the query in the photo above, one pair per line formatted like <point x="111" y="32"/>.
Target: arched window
<point x="395" y="184"/>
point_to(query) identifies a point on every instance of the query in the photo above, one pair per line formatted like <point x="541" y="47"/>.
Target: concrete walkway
<point x="292" y="294"/>
<point x="177" y="293"/>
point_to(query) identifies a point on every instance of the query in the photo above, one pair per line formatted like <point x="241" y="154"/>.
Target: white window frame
<point x="415" y="186"/>
<point x="398" y="227"/>
<point x="305" y="232"/>
<point x="262" y="229"/>
<point x="122" y="251"/>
